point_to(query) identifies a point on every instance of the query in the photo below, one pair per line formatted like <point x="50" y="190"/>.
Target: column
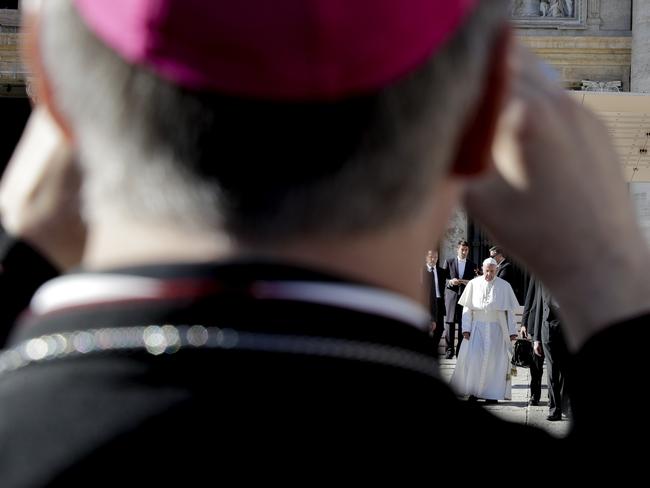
<point x="456" y="230"/>
<point x="640" y="46"/>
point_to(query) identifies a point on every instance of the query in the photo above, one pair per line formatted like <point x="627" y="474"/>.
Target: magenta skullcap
<point x="277" y="49"/>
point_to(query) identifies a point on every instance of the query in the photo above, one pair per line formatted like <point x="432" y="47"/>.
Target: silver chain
<point x="168" y="339"/>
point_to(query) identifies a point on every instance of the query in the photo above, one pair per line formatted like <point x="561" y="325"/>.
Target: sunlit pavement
<point x="517" y="409"/>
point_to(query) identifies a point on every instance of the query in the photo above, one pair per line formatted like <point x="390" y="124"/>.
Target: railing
<point x="519" y="311"/>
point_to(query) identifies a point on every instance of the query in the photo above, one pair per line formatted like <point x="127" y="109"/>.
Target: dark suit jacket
<point x="331" y="389"/>
<point x="507" y="273"/>
<point x="529" y="316"/>
<point x="453" y="293"/>
<point x="542" y="321"/>
<point x="436" y="307"/>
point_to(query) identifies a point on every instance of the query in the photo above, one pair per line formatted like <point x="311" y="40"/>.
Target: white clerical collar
<point x="462" y="260"/>
<point x="92" y="288"/>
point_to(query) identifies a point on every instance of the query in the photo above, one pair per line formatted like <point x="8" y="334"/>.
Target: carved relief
<point x="543" y="8"/>
<point x="554" y="14"/>
<point x="525" y="8"/>
<point x="556" y="8"/>
<point x="602" y="86"/>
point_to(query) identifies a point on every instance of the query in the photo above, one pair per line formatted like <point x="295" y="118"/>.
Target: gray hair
<point x="151" y="150"/>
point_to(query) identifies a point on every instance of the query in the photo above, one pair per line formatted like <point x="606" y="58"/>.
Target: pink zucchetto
<point x="277" y="49"/>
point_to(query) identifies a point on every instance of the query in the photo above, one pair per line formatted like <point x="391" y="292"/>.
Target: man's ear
<point x="475" y="142"/>
<point x="32" y="58"/>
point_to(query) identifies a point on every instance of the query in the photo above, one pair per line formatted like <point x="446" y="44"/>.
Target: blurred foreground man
<point x="257" y="182"/>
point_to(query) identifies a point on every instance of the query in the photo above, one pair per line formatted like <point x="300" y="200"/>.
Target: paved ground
<point x="517" y="409"/>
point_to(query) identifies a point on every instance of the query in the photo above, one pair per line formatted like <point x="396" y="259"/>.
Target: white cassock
<point x="483" y="364"/>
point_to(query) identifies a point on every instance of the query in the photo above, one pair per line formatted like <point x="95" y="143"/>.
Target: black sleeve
<point x="448" y="275"/>
<point x="443" y="276"/>
<point x="606" y="392"/>
<point x="529" y="304"/>
<point x="508" y="276"/>
<point x="22" y="271"/>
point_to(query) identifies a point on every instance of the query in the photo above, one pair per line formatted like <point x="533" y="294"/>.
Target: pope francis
<point x="483" y="366"/>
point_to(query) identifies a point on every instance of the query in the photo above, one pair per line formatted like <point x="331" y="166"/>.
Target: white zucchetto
<point x="490" y="262"/>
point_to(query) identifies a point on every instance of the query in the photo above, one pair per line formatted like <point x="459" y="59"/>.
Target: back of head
<point x="497" y="251"/>
<point x="302" y="136"/>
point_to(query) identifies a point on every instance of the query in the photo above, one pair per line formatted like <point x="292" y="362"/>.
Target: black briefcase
<point x="523" y="353"/>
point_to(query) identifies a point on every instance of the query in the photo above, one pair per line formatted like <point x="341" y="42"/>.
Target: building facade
<point x="14" y="104"/>
<point x="600" y="50"/>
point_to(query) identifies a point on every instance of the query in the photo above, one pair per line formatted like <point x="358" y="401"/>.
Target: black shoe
<point x="554" y="418"/>
<point x="491" y="402"/>
<point x="533" y="402"/>
<point x="472" y="399"/>
<point x="449" y="355"/>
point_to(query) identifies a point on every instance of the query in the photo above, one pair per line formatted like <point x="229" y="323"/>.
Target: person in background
<point x="550" y="344"/>
<point x="489" y="326"/>
<point x="459" y="271"/>
<point x="434" y="286"/>
<point x="505" y="269"/>
<point x="530" y="323"/>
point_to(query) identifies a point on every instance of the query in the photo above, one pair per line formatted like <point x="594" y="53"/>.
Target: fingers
<point x="39" y="193"/>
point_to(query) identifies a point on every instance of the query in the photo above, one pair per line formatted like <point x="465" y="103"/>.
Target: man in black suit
<point x="505" y="270"/>
<point x="550" y="344"/>
<point x="530" y="324"/>
<point x="258" y="186"/>
<point x="434" y="286"/>
<point x="459" y="271"/>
